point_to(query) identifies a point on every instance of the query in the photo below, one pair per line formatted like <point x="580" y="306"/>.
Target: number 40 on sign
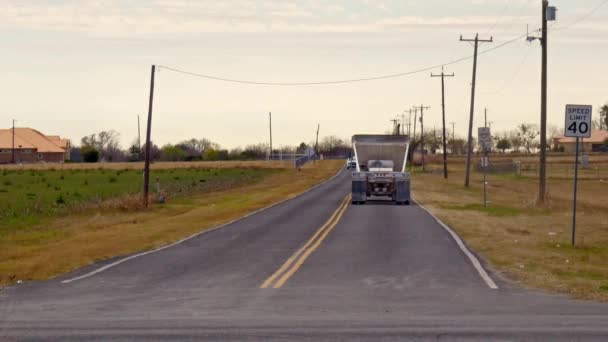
<point x="578" y="121"/>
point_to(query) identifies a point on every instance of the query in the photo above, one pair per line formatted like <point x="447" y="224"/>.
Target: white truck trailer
<point x="381" y="168"/>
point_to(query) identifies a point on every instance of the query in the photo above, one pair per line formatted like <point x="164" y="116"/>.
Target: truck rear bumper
<point x="397" y="188"/>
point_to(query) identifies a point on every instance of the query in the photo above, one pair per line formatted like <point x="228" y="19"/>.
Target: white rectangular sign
<point x="578" y="121"/>
<point x="484" y="137"/>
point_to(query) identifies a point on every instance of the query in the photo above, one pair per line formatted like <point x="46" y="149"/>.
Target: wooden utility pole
<point x="445" y="143"/>
<point x="395" y="126"/>
<point x="317" y="141"/>
<point x="148" y="134"/>
<point x="422" y="108"/>
<point x="415" y="122"/>
<point x="485" y="117"/>
<point x="470" y="137"/>
<point x="542" y="173"/>
<point x="453" y="137"/>
<point x="409" y="124"/>
<point x="270" y="129"/>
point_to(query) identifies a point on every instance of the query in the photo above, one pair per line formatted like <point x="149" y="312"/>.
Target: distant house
<point x="596" y="143"/>
<point x="31" y="146"/>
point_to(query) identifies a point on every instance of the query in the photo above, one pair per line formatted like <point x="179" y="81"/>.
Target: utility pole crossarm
<point x="491" y="40"/>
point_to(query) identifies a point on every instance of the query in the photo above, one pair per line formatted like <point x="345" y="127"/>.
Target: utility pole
<point x="453" y="137"/>
<point x="470" y="137"/>
<point x="548" y="14"/>
<point x="403" y="123"/>
<point x="409" y="124"/>
<point x="317" y="141"/>
<point x="422" y="108"/>
<point x="270" y="126"/>
<point x="148" y="133"/>
<point x="395" y="126"/>
<point x="415" y="121"/>
<point x="542" y="172"/>
<point x="13" y="150"/>
<point x="485" y="117"/>
<point x="445" y="143"/>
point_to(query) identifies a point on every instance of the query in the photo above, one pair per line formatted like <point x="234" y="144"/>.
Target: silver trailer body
<point x="381" y="168"/>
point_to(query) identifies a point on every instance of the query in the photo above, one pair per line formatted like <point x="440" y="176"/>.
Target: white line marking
<point x="118" y="262"/>
<point x="482" y="272"/>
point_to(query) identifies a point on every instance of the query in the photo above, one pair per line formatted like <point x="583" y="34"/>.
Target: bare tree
<point x="515" y="140"/>
<point x="106" y="142"/>
<point x="528" y="134"/>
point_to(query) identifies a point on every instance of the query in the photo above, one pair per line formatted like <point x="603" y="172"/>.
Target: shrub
<point x="89" y="154"/>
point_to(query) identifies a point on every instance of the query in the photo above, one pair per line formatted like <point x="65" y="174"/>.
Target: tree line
<point x="104" y="146"/>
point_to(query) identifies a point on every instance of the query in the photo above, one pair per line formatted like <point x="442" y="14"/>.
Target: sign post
<point x="578" y="125"/>
<point x="485" y="141"/>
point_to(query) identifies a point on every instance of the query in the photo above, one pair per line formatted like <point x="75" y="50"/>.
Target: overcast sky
<point x="78" y="67"/>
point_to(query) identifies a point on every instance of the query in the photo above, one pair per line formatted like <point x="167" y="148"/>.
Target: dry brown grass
<point x="529" y="244"/>
<point x="275" y="164"/>
<point x="71" y="242"/>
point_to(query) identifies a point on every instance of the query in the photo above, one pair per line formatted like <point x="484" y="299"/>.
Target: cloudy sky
<point x="78" y="67"/>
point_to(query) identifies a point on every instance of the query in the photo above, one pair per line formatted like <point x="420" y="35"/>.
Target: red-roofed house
<point x="31" y="146"/>
<point x="592" y="144"/>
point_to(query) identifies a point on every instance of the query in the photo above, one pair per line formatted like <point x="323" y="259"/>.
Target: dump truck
<point x="381" y="168"/>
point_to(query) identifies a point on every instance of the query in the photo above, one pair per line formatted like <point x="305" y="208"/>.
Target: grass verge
<point x="63" y="244"/>
<point x="527" y="243"/>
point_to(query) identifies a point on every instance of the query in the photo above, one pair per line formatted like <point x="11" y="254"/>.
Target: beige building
<point x="593" y="144"/>
<point x="31" y="146"/>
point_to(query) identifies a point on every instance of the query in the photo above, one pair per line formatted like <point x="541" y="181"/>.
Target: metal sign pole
<point x="575" y="192"/>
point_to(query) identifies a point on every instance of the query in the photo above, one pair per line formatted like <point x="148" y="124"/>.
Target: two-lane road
<point x="311" y="268"/>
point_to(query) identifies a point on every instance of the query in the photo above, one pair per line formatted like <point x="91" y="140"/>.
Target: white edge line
<point x="482" y="272"/>
<point x="118" y="262"/>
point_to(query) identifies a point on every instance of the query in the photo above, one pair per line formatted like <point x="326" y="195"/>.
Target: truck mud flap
<point x="359" y="191"/>
<point x="402" y="191"/>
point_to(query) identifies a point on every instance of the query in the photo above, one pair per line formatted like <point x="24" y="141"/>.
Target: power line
<point x="520" y="12"/>
<point x="375" y="78"/>
<point x="513" y="76"/>
<point x="579" y="20"/>
<point x="365" y="79"/>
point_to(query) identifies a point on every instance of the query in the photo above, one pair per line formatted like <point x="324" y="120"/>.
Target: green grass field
<point x="28" y="196"/>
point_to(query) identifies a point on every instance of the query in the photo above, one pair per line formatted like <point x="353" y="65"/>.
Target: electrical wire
<point x="514" y="75"/>
<point x="375" y="78"/>
<point x="579" y="20"/>
<point x="364" y="79"/>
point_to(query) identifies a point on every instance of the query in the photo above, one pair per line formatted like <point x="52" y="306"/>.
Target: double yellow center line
<point x="291" y="266"/>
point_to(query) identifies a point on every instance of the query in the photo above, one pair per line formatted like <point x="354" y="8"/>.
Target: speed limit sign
<point x="578" y="121"/>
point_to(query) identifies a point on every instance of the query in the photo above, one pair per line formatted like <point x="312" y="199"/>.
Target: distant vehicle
<point x="351" y="164"/>
<point x="380" y="168"/>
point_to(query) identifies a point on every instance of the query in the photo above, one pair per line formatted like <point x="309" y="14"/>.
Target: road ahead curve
<point x="312" y="268"/>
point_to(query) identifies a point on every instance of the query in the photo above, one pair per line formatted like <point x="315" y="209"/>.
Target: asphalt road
<point x="312" y="268"/>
